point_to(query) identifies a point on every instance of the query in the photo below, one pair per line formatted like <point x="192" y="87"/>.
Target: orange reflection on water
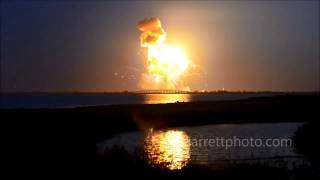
<point x="169" y="149"/>
<point x="165" y="98"/>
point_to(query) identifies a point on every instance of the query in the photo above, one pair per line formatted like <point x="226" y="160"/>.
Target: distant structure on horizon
<point x="162" y="92"/>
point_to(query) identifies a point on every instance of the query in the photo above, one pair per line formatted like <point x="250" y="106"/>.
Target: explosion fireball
<point x="165" y="64"/>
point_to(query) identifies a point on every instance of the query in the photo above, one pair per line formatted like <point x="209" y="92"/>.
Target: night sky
<point x="94" y="46"/>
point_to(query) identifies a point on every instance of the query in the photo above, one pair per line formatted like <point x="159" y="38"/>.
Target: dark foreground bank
<point x="52" y="142"/>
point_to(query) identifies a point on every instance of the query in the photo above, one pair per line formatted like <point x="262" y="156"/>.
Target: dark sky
<point x="94" y="45"/>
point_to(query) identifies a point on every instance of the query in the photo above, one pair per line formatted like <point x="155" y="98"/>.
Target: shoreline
<point x="67" y="137"/>
<point x="110" y="119"/>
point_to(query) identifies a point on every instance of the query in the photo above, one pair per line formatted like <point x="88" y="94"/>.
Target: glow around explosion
<point x="165" y="64"/>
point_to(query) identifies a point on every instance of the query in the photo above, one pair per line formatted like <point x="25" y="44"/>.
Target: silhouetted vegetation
<point x="61" y="141"/>
<point x="118" y="160"/>
<point x="306" y="142"/>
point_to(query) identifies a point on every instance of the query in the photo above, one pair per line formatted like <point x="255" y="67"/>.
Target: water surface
<point x="175" y="148"/>
<point x="63" y="100"/>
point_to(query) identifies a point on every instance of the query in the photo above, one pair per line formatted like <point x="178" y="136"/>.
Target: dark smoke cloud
<point x="152" y="32"/>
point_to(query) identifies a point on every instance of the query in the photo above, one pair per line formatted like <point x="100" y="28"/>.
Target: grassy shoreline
<point x="40" y="138"/>
<point x="118" y="118"/>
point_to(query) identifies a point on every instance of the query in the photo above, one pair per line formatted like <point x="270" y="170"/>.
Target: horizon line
<point x="153" y="92"/>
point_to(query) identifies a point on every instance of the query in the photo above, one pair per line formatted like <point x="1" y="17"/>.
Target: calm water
<point x="74" y="100"/>
<point x="175" y="148"/>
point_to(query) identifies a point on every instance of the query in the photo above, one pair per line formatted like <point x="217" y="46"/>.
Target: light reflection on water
<point x="62" y="100"/>
<point x="169" y="149"/>
<point x="173" y="149"/>
<point x="165" y="98"/>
